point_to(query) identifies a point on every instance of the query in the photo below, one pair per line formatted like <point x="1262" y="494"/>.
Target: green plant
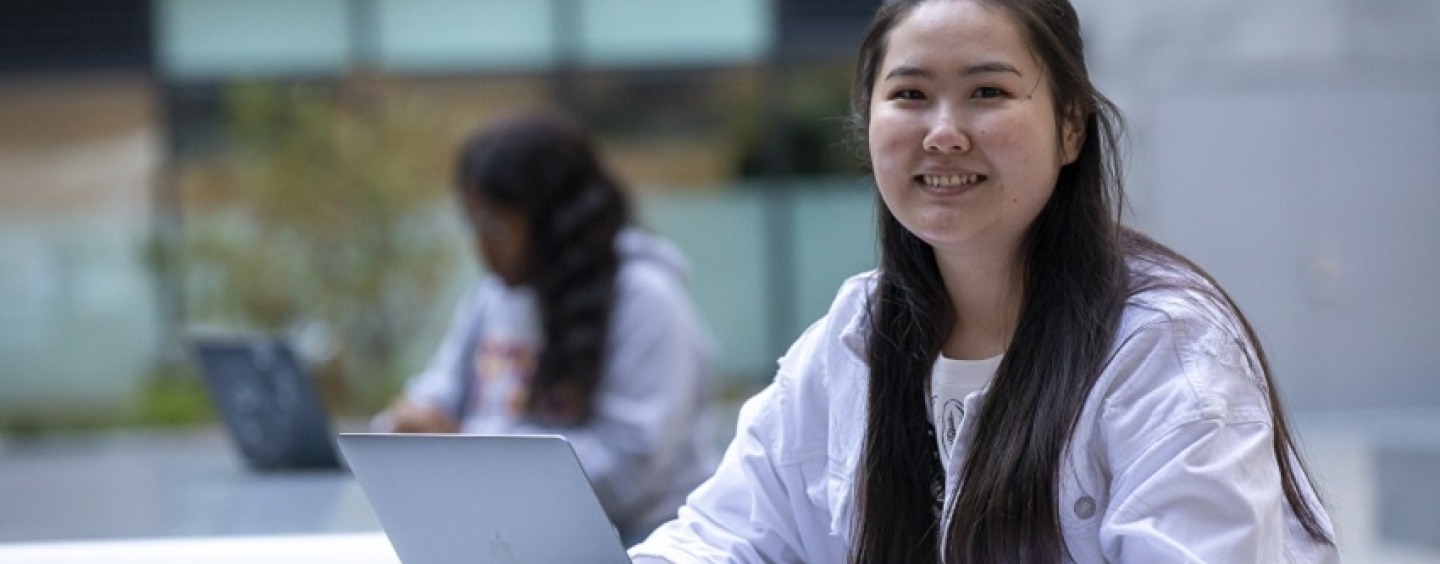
<point x="325" y="217"/>
<point x="811" y="124"/>
<point x="174" y="400"/>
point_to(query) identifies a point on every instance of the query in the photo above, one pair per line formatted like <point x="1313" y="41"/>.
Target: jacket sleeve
<point x="649" y="399"/>
<point x="1189" y="443"/>
<point x="742" y="513"/>
<point x="765" y="503"/>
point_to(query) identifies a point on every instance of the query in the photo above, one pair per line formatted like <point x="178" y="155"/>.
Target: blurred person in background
<point x="584" y="326"/>
<point x="1023" y="379"/>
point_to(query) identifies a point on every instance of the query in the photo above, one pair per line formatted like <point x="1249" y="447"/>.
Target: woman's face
<point x="502" y="235"/>
<point x="962" y="128"/>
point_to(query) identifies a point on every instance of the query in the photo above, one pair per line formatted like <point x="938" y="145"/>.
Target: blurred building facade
<point x="675" y="90"/>
<point x="1288" y="146"/>
<point x="79" y="154"/>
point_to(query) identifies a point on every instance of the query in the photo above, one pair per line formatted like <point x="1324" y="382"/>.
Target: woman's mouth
<point x="949" y="180"/>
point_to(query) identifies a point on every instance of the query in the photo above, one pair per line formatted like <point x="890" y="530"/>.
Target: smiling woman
<point x="1116" y="402"/>
<point x="966" y="149"/>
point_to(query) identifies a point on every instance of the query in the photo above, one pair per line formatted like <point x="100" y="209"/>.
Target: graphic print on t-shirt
<point x="950" y="416"/>
<point x="952" y="382"/>
<point x="503" y="368"/>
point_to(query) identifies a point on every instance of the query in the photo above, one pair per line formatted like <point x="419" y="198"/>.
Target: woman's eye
<point x="988" y="92"/>
<point x="907" y="94"/>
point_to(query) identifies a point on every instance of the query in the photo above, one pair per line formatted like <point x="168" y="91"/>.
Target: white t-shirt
<point x="951" y="382"/>
<point x="504" y="361"/>
<point x="649" y="441"/>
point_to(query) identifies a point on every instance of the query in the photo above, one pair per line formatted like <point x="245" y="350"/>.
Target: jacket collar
<point x="856" y="330"/>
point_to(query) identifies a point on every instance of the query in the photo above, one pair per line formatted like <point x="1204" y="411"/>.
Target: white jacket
<point x="1171" y="460"/>
<point x="651" y="439"/>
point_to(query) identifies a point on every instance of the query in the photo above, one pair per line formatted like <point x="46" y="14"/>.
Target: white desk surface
<point x="171" y="497"/>
<point x="330" y="548"/>
<point x="162" y="497"/>
<point x="164" y="484"/>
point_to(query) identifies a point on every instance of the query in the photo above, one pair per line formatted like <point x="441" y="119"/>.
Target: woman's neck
<point x="986" y="292"/>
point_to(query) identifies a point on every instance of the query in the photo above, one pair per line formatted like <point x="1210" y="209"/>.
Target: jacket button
<point x="1085" y="507"/>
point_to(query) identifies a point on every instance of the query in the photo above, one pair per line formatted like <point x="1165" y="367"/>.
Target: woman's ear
<point x="1072" y="135"/>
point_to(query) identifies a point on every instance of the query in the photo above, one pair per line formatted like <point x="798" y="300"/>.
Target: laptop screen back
<point x="267" y="401"/>
<point x="482" y="499"/>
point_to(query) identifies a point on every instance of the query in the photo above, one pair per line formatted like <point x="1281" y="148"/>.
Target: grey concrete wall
<point x="1292" y="147"/>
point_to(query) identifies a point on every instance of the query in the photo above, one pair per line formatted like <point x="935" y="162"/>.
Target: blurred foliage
<point x="322" y="223"/>
<point x="815" y="107"/>
<point x="173" y="400"/>
<point x="30" y="424"/>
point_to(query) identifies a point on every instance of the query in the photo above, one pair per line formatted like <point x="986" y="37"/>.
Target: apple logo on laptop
<point x="502" y="551"/>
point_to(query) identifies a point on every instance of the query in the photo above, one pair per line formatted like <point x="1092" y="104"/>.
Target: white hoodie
<point x="650" y="440"/>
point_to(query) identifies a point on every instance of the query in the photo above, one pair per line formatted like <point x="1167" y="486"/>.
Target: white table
<point x="155" y="485"/>
<point x="185" y="497"/>
<point x="330" y="548"/>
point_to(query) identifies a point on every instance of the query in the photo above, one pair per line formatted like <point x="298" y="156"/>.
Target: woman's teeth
<point x="950" y="180"/>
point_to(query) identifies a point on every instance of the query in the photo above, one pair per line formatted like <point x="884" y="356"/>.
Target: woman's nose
<point x="946" y="134"/>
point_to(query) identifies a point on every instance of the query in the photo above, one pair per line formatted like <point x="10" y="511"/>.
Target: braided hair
<point x="545" y="167"/>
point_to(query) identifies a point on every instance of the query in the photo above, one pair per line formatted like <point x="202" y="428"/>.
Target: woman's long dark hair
<point x="1076" y="283"/>
<point x="546" y="167"/>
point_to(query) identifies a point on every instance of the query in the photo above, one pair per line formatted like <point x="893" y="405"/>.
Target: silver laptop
<point x="482" y="499"/>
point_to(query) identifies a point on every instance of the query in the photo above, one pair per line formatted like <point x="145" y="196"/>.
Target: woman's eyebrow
<point x="909" y="71"/>
<point x="990" y="67"/>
